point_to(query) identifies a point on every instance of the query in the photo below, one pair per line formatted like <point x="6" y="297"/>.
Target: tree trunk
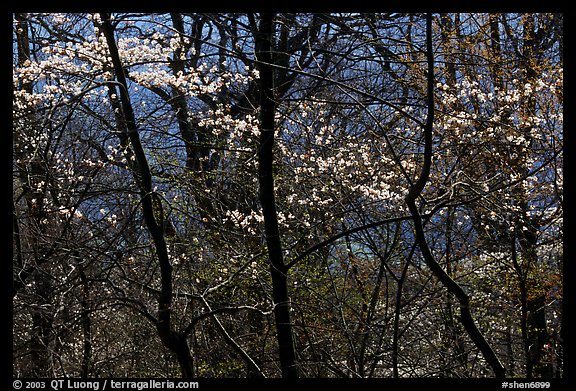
<point x="143" y="177"/>
<point x="278" y="269"/>
<point x="42" y="312"/>
<point x="414" y="192"/>
<point x="86" y="327"/>
<point x="534" y="316"/>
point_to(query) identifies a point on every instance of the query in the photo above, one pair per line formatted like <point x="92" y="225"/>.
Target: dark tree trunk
<point x="182" y="350"/>
<point x="414" y="192"/>
<point x="534" y="316"/>
<point x="86" y="327"/>
<point x="278" y="269"/>
<point x="143" y="177"/>
<point x="42" y="312"/>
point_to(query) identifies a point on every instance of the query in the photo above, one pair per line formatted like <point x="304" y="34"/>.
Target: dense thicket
<point x="295" y="195"/>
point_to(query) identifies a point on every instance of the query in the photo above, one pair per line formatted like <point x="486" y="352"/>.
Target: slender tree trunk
<point x="151" y="208"/>
<point x="510" y="351"/>
<point x="195" y="138"/>
<point x="495" y="47"/>
<point x="449" y="31"/>
<point x="43" y="311"/>
<point x="414" y="192"/>
<point x="278" y="269"/>
<point x="523" y="308"/>
<point x="86" y="327"/>
<point x="396" y="326"/>
<point x="534" y="316"/>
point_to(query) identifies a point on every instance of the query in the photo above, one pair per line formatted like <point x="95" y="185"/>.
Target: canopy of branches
<point x="266" y="195"/>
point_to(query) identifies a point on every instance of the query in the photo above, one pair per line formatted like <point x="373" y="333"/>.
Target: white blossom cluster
<point x="338" y="164"/>
<point x="69" y="69"/>
<point x="501" y="109"/>
<point x="249" y="222"/>
<point x="321" y="165"/>
<point x="236" y="131"/>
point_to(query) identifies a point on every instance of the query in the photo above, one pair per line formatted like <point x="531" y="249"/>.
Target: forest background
<point x="287" y="195"/>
